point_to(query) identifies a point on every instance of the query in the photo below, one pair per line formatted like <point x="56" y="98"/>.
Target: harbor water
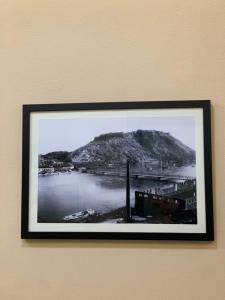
<point x="66" y="193"/>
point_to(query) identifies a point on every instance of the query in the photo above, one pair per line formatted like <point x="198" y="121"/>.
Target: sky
<point x="70" y="134"/>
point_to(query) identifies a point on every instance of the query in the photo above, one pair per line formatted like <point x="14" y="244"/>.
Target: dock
<point x="144" y="175"/>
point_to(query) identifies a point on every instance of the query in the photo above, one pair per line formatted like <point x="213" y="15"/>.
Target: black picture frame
<point x="205" y="171"/>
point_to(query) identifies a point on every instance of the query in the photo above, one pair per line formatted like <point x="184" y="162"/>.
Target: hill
<point x="136" y="146"/>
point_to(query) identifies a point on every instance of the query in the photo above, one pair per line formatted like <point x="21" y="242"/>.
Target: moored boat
<point x="80" y="215"/>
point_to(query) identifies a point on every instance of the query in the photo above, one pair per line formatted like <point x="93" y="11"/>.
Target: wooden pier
<point x="143" y="175"/>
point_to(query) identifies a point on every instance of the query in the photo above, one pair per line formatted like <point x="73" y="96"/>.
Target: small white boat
<point x="80" y="215"/>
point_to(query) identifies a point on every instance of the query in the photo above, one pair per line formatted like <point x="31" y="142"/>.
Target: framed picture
<point x="120" y="170"/>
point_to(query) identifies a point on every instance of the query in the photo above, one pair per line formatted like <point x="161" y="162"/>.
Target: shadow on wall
<point x="117" y="244"/>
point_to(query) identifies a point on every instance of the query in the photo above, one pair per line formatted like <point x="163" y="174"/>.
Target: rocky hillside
<point x="137" y="146"/>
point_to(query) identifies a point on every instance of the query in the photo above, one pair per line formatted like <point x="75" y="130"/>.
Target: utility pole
<point x="128" y="218"/>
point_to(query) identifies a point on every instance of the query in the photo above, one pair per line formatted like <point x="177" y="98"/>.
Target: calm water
<point x="64" y="194"/>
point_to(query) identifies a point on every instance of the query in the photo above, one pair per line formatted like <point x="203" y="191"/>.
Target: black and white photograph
<point x="83" y="178"/>
<point x="116" y="170"/>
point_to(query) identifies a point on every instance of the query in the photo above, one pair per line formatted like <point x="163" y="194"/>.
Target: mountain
<point x="63" y="156"/>
<point x="136" y="146"/>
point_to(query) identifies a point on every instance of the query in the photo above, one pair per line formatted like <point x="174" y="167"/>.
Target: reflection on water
<point x="64" y="194"/>
<point x="60" y="195"/>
